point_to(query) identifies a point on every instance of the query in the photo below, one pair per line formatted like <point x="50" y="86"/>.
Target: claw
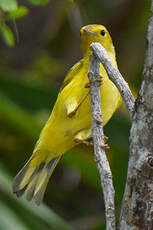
<point x="100" y="80"/>
<point x="91" y="144"/>
<point x="87" y="143"/>
<point x="105" y="138"/>
<point x="105" y="146"/>
<point x="87" y="85"/>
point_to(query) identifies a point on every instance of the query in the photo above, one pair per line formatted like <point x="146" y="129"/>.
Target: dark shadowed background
<point x="47" y="44"/>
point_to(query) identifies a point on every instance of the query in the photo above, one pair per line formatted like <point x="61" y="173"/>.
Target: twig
<point x="98" y="139"/>
<point x="115" y="76"/>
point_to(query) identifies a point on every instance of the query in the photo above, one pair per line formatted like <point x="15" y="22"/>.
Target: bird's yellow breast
<point x="58" y="134"/>
<point x="70" y="120"/>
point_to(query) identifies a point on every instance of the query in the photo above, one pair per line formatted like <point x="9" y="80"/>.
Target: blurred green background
<point x="39" y="42"/>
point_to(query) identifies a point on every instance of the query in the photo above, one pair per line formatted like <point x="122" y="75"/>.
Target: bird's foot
<point x="105" y="139"/>
<point x="105" y="146"/>
<point x="91" y="144"/>
<point x="100" y="80"/>
<point x="87" y="143"/>
<point x="87" y="85"/>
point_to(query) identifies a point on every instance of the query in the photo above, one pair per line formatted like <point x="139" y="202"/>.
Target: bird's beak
<point x="86" y="30"/>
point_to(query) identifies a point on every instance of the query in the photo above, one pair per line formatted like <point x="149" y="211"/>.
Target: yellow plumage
<point x="70" y="120"/>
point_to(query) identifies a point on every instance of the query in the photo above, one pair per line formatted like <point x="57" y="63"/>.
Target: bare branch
<point x="137" y="205"/>
<point x="98" y="138"/>
<point x="115" y="76"/>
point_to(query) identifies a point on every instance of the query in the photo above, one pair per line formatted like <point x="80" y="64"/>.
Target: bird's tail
<point x="33" y="180"/>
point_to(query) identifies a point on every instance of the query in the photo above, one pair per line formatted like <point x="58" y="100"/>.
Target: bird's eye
<point x="103" y="32"/>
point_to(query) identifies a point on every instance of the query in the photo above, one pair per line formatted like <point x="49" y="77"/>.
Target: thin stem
<point x="115" y="76"/>
<point x="98" y="139"/>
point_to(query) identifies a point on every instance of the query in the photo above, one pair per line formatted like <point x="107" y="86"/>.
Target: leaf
<point x="7" y="5"/>
<point x="38" y="2"/>
<point x="7" y="35"/>
<point x="20" y="12"/>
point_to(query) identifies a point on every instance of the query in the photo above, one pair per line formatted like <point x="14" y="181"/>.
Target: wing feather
<point x="71" y="74"/>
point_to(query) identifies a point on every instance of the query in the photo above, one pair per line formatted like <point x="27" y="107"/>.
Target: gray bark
<point x="137" y="205"/>
<point x="98" y="139"/>
<point x="115" y="76"/>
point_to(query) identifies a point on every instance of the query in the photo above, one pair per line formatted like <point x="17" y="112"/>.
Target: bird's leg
<point x="71" y="110"/>
<point x="90" y="143"/>
<point x="105" y="146"/>
<point x="87" y="143"/>
<point x="87" y="85"/>
<point x="82" y="135"/>
<point x="100" y="80"/>
<point x="105" y="139"/>
<point x="85" y="134"/>
<point x="70" y="114"/>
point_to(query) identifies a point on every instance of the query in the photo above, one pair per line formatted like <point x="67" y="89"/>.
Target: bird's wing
<point x="74" y="102"/>
<point x="71" y="74"/>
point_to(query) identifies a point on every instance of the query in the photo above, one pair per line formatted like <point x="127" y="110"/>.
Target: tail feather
<point x="39" y="193"/>
<point x="34" y="180"/>
<point x="31" y="188"/>
<point x="19" y="177"/>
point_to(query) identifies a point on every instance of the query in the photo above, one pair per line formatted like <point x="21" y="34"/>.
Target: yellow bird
<point x="70" y="121"/>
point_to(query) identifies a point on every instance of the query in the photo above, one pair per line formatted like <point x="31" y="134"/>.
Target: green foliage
<point x="15" y="116"/>
<point x="9" y="10"/>
<point x="14" y="210"/>
<point x="7" y="35"/>
<point x="30" y="77"/>
<point x="20" y="12"/>
<point x="38" y="2"/>
<point x="8" y="5"/>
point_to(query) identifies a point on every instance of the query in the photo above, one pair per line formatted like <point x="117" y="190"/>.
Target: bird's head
<point x="95" y="33"/>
